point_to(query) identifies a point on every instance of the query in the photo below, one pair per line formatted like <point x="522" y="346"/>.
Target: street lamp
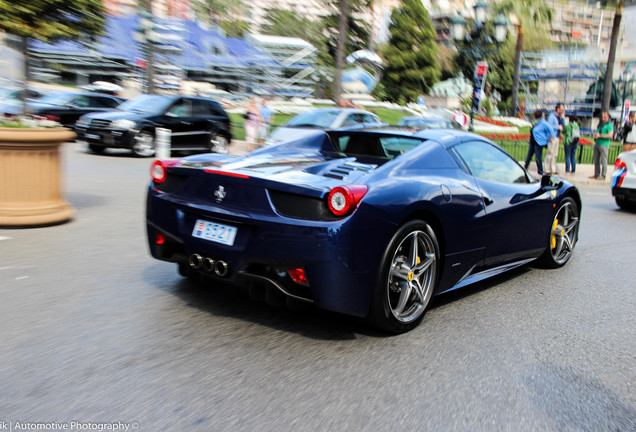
<point x="626" y="80"/>
<point x="479" y="44"/>
<point x="145" y="35"/>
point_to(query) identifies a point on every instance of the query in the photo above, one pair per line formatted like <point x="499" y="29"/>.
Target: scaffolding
<point x="550" y="77"/>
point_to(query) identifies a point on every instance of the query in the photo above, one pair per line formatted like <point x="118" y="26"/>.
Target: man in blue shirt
<point x="557" y="121"/>
<point x="540" y="136"/>
<point x="268" y="118"/>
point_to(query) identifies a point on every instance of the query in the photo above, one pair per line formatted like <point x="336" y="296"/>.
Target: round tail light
<point x="159" y="169"/>
<point x="342" y="200"/>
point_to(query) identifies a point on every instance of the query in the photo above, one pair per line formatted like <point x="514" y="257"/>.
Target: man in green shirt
<point x="603" y="135"/>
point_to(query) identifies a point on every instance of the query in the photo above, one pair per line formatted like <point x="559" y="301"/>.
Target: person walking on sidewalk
<point x="557" y="121"/>
<point x="571" y="136"/>
<point x="629" y="133"/>
<point x="540" y="135"/>
<point x="603" y="135"/>
<point x="252" y="124"/>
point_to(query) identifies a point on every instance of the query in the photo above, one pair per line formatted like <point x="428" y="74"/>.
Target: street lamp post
<point x="625" y="80"/>
<point x="480" y="45"/>
<point x="145" y="35"/>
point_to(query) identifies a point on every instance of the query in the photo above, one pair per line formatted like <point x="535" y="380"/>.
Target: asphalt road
<point x="94" y="330"/>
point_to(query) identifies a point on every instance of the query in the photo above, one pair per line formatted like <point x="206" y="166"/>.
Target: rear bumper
<point x="624" y="193"/>
<point x="340" y="258"/>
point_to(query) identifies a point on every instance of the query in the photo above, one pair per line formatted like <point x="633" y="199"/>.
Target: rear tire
<point x="563" y="235"/>
<point x="97" y="149"/>
<point x="406" y="279"/>
<point x="144" y="144"/>
<point x="219" y="144"/>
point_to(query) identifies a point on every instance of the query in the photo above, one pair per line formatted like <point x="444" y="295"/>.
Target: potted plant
<point x="30" y="173"/>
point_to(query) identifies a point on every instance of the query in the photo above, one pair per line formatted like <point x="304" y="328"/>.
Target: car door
<point x="517" y="211"/>
<point x="74" y="109"/>
<point x="200" y="123"/>
<point x="179" y="120"/>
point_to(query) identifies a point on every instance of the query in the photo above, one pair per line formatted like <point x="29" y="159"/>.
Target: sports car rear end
<point x="267" y="221"/>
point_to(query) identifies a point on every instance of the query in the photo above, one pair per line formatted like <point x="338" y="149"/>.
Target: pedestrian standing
<point x="557" y="121"/>
<point x="267" y="118"/>
<point x="603" y="135"/>
<point x="252" y="123"/>
<point x="540" y="135"/>
<point x="571" y="135"/>
<point x="629" y="133"/>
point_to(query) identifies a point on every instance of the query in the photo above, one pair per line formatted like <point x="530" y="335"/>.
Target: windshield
<point x="322" y="119"/>
<point x="57" y="98"/>
<point x="150" y="104"/>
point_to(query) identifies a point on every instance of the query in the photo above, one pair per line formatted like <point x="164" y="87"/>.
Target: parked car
<point x="428" y="123"/>
<point x="363" y="222"/>
<point x="195" y="124"/>
<point x="322" y="118"/>
<point x="11" y="96"/>
<point x="67" y="107"/>
<point x="624" y="180"/>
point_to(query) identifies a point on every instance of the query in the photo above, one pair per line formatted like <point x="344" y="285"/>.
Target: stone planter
<point x="30" y="177"/>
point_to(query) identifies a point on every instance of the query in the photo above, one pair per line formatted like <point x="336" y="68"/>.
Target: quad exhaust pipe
<point x="209" y="265"/>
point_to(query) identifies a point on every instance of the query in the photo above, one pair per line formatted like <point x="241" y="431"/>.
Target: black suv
<point x="195" y="124"/>
<point x="66" y="107"/>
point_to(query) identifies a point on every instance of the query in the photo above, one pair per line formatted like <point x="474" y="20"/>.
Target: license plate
<point x="92" y="136"/>
<point x="214" y="232"/>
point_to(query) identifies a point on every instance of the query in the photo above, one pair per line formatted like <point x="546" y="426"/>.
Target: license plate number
<point x="215" y="232"/>
<point x="93" y="136"/>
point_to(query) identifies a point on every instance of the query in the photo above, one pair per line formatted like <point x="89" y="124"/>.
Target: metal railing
<point x="584" y="154"/>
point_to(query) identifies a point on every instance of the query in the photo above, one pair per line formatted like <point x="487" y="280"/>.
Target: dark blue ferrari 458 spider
<point x="368" y="222"/>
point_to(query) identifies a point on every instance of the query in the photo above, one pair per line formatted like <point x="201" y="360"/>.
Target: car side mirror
<point x="550" y="183"/>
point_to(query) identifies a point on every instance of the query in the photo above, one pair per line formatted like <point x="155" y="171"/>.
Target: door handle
<point x="186" y="123"/>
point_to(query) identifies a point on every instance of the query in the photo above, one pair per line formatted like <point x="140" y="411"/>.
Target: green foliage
<point x="357" y="36"/>
<point x="218" y="10"/>
<point x="51" y="20"/>
<point x="234" y="29"/>
<point x="411" y="55"/>
<point x="282" y="22"/>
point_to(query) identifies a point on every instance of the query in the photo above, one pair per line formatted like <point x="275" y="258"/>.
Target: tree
<point x="50" y="21"/>
<point x="344" y="34"/>
<point x="531" y="14"/>
<point x="234" y="29"/>
<point x="218" y="10"/>
<point x="282" y="22"/>
<point x="611" y="57"/>
<point x="411" y="54"/>
<point x="500" y="59"/>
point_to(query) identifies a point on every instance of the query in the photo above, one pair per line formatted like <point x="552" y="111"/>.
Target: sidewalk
<point x="580" y="178"/>
<point x="582" y="175"/>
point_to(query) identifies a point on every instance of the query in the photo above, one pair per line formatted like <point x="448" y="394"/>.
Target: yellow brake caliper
<point x="553" y="236"/>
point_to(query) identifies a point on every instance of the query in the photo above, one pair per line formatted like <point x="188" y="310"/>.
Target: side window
<point x="369" y="118"/>
<point x="181" y="108"/>
<point x="100" y="102"/>
<point x="215" y="109"/>
<point x="81" y="101"/>
<point x="490" y="163"/>
<point x="110" y="102"/>
<point x="350" y="120"/>
<point x="199" y="108"/>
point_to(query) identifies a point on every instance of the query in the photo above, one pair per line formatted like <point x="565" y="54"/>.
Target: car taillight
<point x="342" y="200"/>
<point x="619" y="164"/>
<point x="52" y="117"/>
<point x="159" y="169"/>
